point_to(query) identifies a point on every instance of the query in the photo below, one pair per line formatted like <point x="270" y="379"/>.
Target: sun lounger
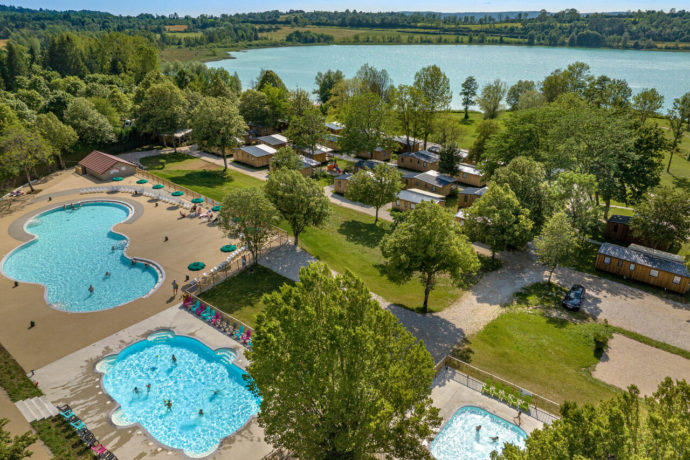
<point x="216" y="319"/>
<point x="78" y="426"/>
<point x="239" y="333"/>
<point x="208" y="314"/>
<point x="203" y="312"/>
<point x="200" y="309"/>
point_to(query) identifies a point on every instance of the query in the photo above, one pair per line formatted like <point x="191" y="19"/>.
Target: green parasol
<point x="158" y="186"/>
<point x="196" y="266"/>
<point x="118" y="178"/>
<point x="142" y="181"/>
<point x="198" y="200"/>
<point x="228" y="248"/>
<point x="177" y="193"/>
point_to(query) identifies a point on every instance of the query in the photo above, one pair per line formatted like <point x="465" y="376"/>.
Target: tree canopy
<point x="216" y="123"/>
<point x="662" y="218"/>
<point x="327" y="361"/>
<point x="375" y="188"/>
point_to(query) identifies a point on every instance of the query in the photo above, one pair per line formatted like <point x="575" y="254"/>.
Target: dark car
<point x="573" y="299"/>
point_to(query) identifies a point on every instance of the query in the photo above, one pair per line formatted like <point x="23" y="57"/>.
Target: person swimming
<point x="494" y="438"/>
<point x="148" y="387"/>
<point x="107" y="274"/>
<point x="91" y="289"/>
<point x="201" y="412"/>
<point x="478" y="427"/>
<point x="174" y="359"/>
<point x="136" y="390"/>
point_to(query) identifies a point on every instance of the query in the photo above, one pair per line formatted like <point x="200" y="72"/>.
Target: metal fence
<point x="173" y="187"/>
<point x="541" y="408"/>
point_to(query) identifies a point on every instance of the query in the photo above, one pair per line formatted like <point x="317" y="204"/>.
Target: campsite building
<point x="408" y="199"/>
<point x="104" y="166"/>
<point x="651" y="266"/>
<point x="255" y="155"/>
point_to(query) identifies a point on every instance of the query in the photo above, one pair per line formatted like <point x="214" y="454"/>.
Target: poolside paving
<point x="73" y="380"/>
<point x="58" y="333"/>
<point x="18" y="425"/>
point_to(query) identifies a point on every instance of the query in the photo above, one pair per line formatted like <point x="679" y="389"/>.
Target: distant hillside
<point x="497" y="15"/>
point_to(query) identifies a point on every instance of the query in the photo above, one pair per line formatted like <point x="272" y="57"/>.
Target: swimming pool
<point x="460" y="440"/>
<point x="73" y="249"/>
<point x="199" y="379"/>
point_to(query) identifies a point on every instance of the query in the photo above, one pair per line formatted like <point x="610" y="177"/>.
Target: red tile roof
<point x="100" y="162"/>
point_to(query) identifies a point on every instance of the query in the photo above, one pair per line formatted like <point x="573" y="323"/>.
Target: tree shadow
<point x="159" y="162"/>
<point x="681" y="182"/>
<point x="366" y="234"/>
<point x="210" y="179"/>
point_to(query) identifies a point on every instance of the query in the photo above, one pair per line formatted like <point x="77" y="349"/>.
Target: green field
<point x="550" y="356"/>
<point x="240" y="296"/>
<point x="349" y="240"/>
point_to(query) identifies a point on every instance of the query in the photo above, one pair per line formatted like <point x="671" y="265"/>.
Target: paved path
<point x="336" y="198"/>
<point x="627" y="362"/>
<point x="287" y="260"/>
<point x="621" y="305"/>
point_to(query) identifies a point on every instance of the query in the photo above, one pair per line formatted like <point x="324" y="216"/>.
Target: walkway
<point x="340" y="200"/>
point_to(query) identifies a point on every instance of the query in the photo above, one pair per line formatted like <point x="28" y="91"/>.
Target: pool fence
<point x="450" y="368"/>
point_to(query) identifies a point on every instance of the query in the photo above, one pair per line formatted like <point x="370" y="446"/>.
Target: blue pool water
<point x="459" y="439"/>
<point x="200" y="379"/>
<point x="72" y="251"/>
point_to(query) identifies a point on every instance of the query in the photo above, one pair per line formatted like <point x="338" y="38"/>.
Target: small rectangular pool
<point x="473" y="433"/>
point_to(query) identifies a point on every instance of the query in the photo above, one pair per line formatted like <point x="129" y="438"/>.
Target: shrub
<point x="601" y="340"/>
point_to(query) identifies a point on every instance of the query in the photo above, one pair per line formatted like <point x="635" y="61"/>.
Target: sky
<point x="216" y="7"/>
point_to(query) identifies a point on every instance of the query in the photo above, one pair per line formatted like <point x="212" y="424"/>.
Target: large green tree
<point x="338" y="376"/>
<point x="491" y="98"/>
<point x="647" y="103"/>
<point x="307" y="130"/>
<point x="498" y="220"/>
<point x="556" y="243"/>
<point x="162" y="110"/>
<point x="254" y="107"/>
<point x="92" y="127"/>
<point x="468" y="93"/>
<point x="22" y="149"/>
<point x="367" y="119"/>
<point x="517" y="91"/>
<point x="217" y="123"/>
<point x="620" y="428"/>
<point x="427" y="242"/>
<point x="434" y="87"/>
<point x="61" y="136"/>
<point x="449" y="159"/>
<point x="662" y="218"/>
<point x="299" y="200"/>
<point x="249" y="215"/>
<point x="406" y="105"/>
<point x="574" y="194"/>
<point x="286" y="158"/>
<point x="325" y="81"/>
<point x="527" y="179"/>
<point x="375" y="188"/>
<point x="269" y="77"/>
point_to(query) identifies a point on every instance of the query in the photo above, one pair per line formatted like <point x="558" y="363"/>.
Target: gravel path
<point x="384" y="212"/>
<point x="627" y="362"/>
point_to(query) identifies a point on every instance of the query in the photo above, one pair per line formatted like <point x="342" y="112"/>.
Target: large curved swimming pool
<point x="460" y="440"/>
<point x="208" y="395"/>
<point x="73" y="250"/>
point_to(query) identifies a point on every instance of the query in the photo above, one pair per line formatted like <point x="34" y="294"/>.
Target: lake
<point x="668" y="72"/>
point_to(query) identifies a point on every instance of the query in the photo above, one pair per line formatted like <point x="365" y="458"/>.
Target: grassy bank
<point x="62" y="439"/>
<point x="241" y="295"/>
<point x="14" y="380"/>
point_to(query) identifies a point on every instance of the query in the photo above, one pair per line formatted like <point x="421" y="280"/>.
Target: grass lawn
<point x="14" y="380"/>
<point x="348" y="241"/>
<point x="62" y="439"/>
<point x="550" y="356"/>
<point x="240" y="296"/>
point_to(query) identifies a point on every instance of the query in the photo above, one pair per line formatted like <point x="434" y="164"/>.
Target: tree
<point x="373" y="80"/>
<point x="92" y="127"/>
<point x="367" y="119"/>
<point x="277" y="105"/>
<point x="662" y="218"/>
<point x="327" y="361"/>
<point x="406" y="105"/>
<point x="491" y="97"/>
<point x="468" y="93"/>
<point x="269" y="77"/>
<point x="161" y="110"/>
<point x="217" y="123"/>
<point x="647" y="103"/>
<point x="517" y="90"/>
<point x="530" y="99"/>
<point x="574" y="79"/>
<point x="299" y="200"/>
<point x="375" y="188"/>
<point x="675" y="121"/>
<point x="436" y="96"/>
<point x="498" y="220"/>
<point x="682" y="106"/>
<point x="574" y="194"/>
<point x="299" y="103"/>
<point x="325" y="83"/>
<point x="449" y="159"/>
<point x="485" y="129"/>
<point x="286" y="158"/>
<point x="446" y="129"/>
<point x="428" y="242"/>
<point x="616" y="428"/>
<point x="22" y="149"/>
<point x="527" y="179"/>
<point x="254" y="107"/>
<point x="556" y="242"/>
<point x="248" y="214"/>
<point x="7" y="117"/>
<point x="307" y="130"/>
<point x="15" y="448"/>
<point x="61" y="136"/>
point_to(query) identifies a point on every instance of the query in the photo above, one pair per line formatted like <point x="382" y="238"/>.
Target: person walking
<point x="175" y="288"/>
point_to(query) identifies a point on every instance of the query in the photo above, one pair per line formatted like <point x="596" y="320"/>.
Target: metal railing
<point x="173" y="187"/>
<point x="541" y="408"/>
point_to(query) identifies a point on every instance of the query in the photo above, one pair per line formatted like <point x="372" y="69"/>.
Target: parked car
<point x="573" y="299"/>
<point x="435" y="149"/>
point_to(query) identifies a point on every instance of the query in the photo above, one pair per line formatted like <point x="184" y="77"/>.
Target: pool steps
<point x="226" y="355"/>
<point x="36" y="408"/>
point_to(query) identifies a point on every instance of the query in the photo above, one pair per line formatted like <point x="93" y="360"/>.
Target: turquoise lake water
<point x="73" y="250"/>
<point x="668" y="72"/>
<point x="199" y="379"/>
<point x="460" y="440"/>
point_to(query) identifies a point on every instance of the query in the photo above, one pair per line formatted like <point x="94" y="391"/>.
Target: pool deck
<point x="449" y="396"/>
<point x="73" y="380"/>
<point x="57" y="333"/>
